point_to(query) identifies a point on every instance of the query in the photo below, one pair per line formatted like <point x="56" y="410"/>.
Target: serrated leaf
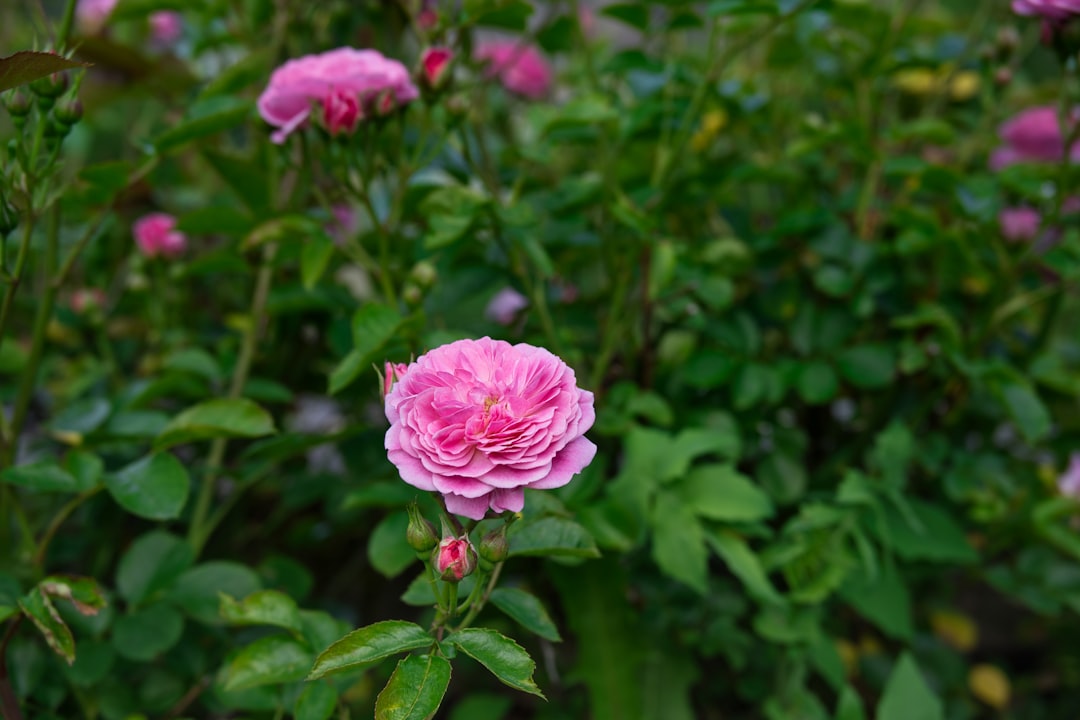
<point x="506" y="660"/>
<point x="39" y="608"/>
<point x="415" y="689"/>
<point x="269" y="660"/>
<point x="198" y="591"/>
<point x="527" y="610"/>
<point x="265" y="607"/>
<point x="368" y="645"/>
<point x="221" y="417"/>
<point x="28" y="65"/>
<point x="155" y="487"/>
<point x="43" y="476"/>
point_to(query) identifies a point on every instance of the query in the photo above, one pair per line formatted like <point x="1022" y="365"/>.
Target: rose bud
<point x="435" y="66"/>
<point x="454" y="558"/>
<point x="420" y="534"/>
<point x="494" y="547"/>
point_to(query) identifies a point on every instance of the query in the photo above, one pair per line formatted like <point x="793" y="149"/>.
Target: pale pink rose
<point x="1049" y="9"/>
<point x="166" y="26"/>
<point x="1019" y="223"/>
<point x="156" y="234"/>
<point x="91" y="15"/>
<point x="505" y="305"/>
<point x="1069" y="482"/>
<point x="454" y="558"/>
<point x="481" y="420"/>
<point x="343" y="83"/>
<point x="520" y="67"/>
<point x="1032" y="136"/>
<point x="435" y="66"/>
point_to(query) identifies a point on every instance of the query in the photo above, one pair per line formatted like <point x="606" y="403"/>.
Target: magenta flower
<point x="166" y="26"/>
<point x="392" y="372"/>
<point x="1033" y="135"/>
<point x="1049" y="9"/>
<point x="435" y="66"/>
<point x="454" y="558"/>
<point x="344" y="84"/>
<point x="505" y="305"/>
<point x="91" y="15"/>
<point x="156" y="234"/>
<point x="1069" y="482"/>
<point x="1019" y="223"/>
<point x="521" y="68"/>
<point x="481" y="420"/>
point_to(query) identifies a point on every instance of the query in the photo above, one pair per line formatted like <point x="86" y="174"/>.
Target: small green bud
<point x="412" y="294"/>
<point x="68" y="112"/>
<point x="17" y="104"/>
<point x="420" y="534"/>
<point x="424" y="274"/>
<point x="50" y="86"/>
<point x="494" y="546"/>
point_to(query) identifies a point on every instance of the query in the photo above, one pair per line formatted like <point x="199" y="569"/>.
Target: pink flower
<point x="1019" y="223"/>
<point x="505" y="305"/>
<point x="1034" y="135"/>
<point x="91" y="15"/>
<point x="345" y="82"/>
<point x="1069" y="482"/>
<point x="166" y="26"/>
<point x="1049" y="9"/>
<point x="435" y="67"/>
<point x="156" y="234"/>
<point x="481" y="420"/>
<point x="454" y="558"/>
<point x="392" y="372"/>
<point x="521" y="68"/>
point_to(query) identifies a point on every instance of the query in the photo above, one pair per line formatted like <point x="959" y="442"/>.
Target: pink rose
<point x="481" y="420"/>
<point x="505" y="306"/>
<point x="166" y="26"/>
<point x="1019" y="223"/>
<point x="392" y="372"/>
<point x="454" y="558"/>
<point x="156" y="234"/>
<point x="91" y="15"/>
<point x="521" y="68"/>
<point x="1033" y="135"/>
<point x="345" y="83"/>
<point x="1069" y="482"/>
<point x="435" y="66"/>
<point x="1049" y="9"/>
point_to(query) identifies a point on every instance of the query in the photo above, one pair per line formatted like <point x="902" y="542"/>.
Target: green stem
<point x="611" y="331"/>
<point x="479" y="605"/>
<point x="64" y="33"/>
<point x="451" y="600"/>
<point x="7" y="439"/>
<point x="62" y="515"/>
<point x="197" y="531"/>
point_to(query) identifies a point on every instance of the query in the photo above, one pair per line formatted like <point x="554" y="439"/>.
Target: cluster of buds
<point x="454" y="557"/>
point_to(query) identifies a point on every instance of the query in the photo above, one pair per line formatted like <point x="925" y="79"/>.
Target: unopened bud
<point x="17" y="104"/>
<point x="436" y="65"/>
<point x="494" y="547"/>
<point x="50" y="86"/>
<point x="454" y="558"/>
<point x="1008" y="39"/>
<point x="1003" y="76"/>
<point x="424" y="274"/>
<point x="412" y="294"/>
<point x="392" y="373"/>
<point x="385" y="103"/>
<point x="420" y="534"/>
<point x="68" y="112"/>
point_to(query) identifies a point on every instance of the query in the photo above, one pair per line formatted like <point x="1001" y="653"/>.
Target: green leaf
<point x="415" y="689"/>
<point x="506" y="660"/>
<point x="907" y="696"/>
<point x="93" y="663"/>
<point x="679" y="542"/>
<point x="634" y="15"/>
<point x="373" y="326"/>
<point x="245" y="176"/>
<point x="28" y="65"/>
<point x="368" y="645"/>
<point x="43" y="476"/>
<point x="151" y="564"/>
<point x="1027" y="410"/>
<point x="742" y="7"/>
<point x="938" y="537"/>
<point x="198" y="591"/>
<point x="527" y="610"/>
<point x="667" y="679"/>
<point x="265" y="607"/>
<point x="849" y="707"/>
<point x="267" y="661"/>
<point x="146" y="633"/>
<point x="204" y="118"/>
<point x="817" y="383"/>
<point x="552" y="536"/>
<point x="155" y="487"/>
<point x="868" y="366"/>
<point x="195" y="361"/>
<point x="883" y="600"/>
<point x="86" y="468"/>
<point x="745" y="565"/>
<point x="720" y="492"/>
<point x="482" y="705"/>
<point x="316" y="702"/>
<point x="783" y="477"/>
<point x="221" y="417"/>
<point x="449" y="211"/>
<point x="39" y="608"/>
<point x="386" y="549"/>
<point x="314" y="258"/>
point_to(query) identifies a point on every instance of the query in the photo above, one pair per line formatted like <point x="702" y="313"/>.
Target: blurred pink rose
<point x="454" y="558"/>
<point x="1050" y="9"/>
<point x="521" y="68"/>
<point x="1069" y="482"/>
<point x="156" y="234"/>
<point x="1019" y="223"/>
<point x="166" y="26"/>
<point x="505" y="306"/>
<point x="345" y="83"/>
<point x="1033" y="135"/>
<point x="91" y="15"/>
<point x="87" y="299"/>
<point x="481" y="420"/>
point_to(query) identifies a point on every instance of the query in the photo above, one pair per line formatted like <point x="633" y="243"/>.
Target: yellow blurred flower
<point x="955" y="629"/>
<point x="712" y="123"/>
<point x="989" y="684"/>
<point x="964" y="85"/>
<point x="916" y="81"/>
